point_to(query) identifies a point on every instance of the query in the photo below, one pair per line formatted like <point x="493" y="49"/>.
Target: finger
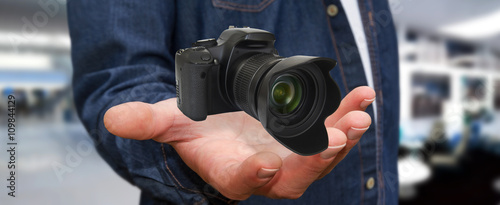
<point x="141" y="121"/>
<point x="357" y="99"/>
<point x="240" y="181"/>
<point x="298" y="172"/>
<point x="354" y="124"/>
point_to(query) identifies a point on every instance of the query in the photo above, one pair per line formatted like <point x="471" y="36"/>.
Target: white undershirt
<point x="354" y="17"/>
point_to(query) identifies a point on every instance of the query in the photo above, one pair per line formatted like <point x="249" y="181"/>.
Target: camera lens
<point x="286" y="94"/>
<point x="291" y="97"/>
<point x="246" y="77"/>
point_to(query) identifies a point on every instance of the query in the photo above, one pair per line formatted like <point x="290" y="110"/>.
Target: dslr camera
<point x="242" y="70"/>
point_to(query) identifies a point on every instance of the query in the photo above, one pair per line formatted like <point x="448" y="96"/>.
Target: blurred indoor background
<point x="449" y="54"/>
<point x="54" y="162"/>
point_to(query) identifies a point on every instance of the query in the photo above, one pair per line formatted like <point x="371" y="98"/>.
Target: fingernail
<point x="266" y="173"/>
<point x="351" y="133"/>
<point x="366" y="102"/>
<point x="331" y="151"/>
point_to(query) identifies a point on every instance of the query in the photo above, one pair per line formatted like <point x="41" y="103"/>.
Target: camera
<point x="242" y="70"/>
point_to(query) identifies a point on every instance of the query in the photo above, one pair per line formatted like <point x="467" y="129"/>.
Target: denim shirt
<point x="123" y="50"/>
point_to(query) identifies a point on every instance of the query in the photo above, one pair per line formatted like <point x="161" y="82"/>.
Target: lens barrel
<point x="249" y="72"/>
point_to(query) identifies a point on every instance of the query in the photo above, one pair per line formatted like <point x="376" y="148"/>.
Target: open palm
<point x="234" y="153"/>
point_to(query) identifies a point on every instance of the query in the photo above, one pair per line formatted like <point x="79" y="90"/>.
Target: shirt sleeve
<point x="122" y="51"/>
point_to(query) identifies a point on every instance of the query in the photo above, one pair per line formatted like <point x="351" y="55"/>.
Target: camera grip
<point x="192" y="90"/>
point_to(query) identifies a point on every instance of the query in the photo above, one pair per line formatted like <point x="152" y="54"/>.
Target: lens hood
<point x="302" y="131"/>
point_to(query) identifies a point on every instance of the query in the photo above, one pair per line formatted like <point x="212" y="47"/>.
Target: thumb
<point x="142" y="121"/>
<point x="253" y="173"/>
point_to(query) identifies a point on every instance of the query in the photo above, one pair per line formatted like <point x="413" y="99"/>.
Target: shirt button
<point x="370" y="183"/>
<point x="332" y="10"/>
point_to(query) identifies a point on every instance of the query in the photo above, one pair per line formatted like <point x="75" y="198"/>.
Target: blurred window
<point x="456" y="49"/>
<point x="428" y="93"/>
<point x="474" y="88"/>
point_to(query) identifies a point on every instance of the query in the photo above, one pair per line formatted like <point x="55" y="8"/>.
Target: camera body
<point x="242" y="70"/>
<point x="202" y="71"/>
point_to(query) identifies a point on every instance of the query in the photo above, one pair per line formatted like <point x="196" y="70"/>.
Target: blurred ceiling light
<point x="13" y="61"/>
<point x="39" y="40"/>
<point x="479" y="28"/>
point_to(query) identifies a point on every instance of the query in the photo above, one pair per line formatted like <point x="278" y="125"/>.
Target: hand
<point x="234" y="153"/>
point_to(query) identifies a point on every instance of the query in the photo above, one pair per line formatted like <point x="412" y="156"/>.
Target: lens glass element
<point x="286" y="94"/>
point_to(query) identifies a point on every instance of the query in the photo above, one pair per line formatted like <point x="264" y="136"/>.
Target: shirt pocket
<point x="242" y="5"/>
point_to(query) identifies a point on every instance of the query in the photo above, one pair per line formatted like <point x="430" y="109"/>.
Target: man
<point x="123" y="51"/>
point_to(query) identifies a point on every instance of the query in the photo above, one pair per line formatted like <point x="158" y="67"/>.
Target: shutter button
<point x="206" y="43"/>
